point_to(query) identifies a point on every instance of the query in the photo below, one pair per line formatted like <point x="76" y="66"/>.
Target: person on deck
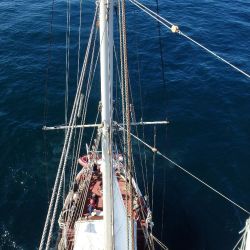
<point x="92" y="204"/>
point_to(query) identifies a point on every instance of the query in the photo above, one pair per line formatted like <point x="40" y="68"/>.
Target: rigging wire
<point x="67" y="62"/>
<point x="79" y="40"/>
<point x="164" y="193"/>
<point x="143" y="165"/>
<point x="164" y="83"/>
<point x="78" y="66"/>
<point x="203" y="182"/>
<point x="161" y="47"/>
<point x="120" y="9"/>
<point x="45" y="111"/>
<point x="74" y="114"/>
<point x="238" y="242"/>
<point x="139" y="150"/>
<point x="175" y="29"/>
<point x="65" y="151"/>
<point x="96" y="119"/>
<point x="153" y="174"/>
<point x="158" y="242"/>
<point x="85" y="105"/>
<point x="133" y="119"/>
<point x="84" y="110"/>
<point x="153" y="149"/>
<point x="163" y="201"/>
<point x="141" y="113"/>
<point x="122" y="76"/>
<point x="127" y="110"/>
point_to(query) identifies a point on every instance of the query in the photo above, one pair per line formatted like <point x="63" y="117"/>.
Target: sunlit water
<point x="206" y="102"/>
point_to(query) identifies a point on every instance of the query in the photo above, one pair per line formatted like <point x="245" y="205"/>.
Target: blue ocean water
<point x="206" y="102"/>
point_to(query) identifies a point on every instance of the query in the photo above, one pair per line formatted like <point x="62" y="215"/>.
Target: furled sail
<point x="89" y="234"/>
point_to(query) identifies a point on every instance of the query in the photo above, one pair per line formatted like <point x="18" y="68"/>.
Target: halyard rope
<point x="175" y="29"/>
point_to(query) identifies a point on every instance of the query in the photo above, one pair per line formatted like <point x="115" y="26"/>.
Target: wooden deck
<point x="94" y="200"/>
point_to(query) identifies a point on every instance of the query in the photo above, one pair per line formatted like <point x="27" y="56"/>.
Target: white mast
<point x="106" y="61"/>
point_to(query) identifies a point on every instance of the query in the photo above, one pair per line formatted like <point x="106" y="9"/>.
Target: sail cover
<point x="120" y="218"/>
<point x="89" y="234"/>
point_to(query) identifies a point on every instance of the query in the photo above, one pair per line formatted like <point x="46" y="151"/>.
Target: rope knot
<point x="175" y="29"/>
<point x="154" y="150"/>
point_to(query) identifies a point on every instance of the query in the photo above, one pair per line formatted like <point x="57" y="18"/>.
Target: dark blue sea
<point x="206" y="102"/>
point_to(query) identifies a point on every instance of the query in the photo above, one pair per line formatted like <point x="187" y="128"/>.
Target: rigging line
<point x="132" y="101"/>
<point x="50" y="38"/>
<point x="203" y="182"/>
<point x="79" y="40"/>
<point x="238" y="242"/>
<point x="83" y="186"/>
<point x="187" y="172"/>
<point x="117" y="65"/>
<point x="67" y="62"/>
<point x="164" y="193"/>
<point x="127" y="106"/>
<point x="45" y="112"/>
<point x="131" y="106"/>
<point x="116" y="104"/>
<point x="65" y="150"/>
<point x="83" y="122"/>
<point x="244" y="237"/>
<point x="142" y="115"/>
<point x="78" y="58"/>
<point x="66" y="98"/>
<point x="74" y="160"/>
<point x="74" y="112"/>
<point x="90" y="82"/>
<point x="89" y="86"/>
<point x="122" y="77"/>
<point x="175" y="29"/>
<point x="139" y="149"/>
<point x="163" y="202"/>
<point x="159" y="242"/>
<point x="88" y="90"/>
<point x="132" y="154"/>
<point x="153" y="176"/>
<point x="64" y="185"/>
<point x="160" y="43"/>
<point x="120" y="9"/>
<point x="93" y="132"/>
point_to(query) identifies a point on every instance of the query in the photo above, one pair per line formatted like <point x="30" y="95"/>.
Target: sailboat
<point x="104" y="207"/>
